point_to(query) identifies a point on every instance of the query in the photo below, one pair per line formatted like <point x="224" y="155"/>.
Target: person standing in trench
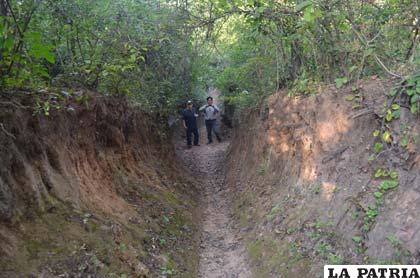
<point x="210" y="114"/>
<point x="190" y="124"/>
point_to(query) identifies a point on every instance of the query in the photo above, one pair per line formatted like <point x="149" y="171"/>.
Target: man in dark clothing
<point x="190" y="124"/>
<point x="210" y="114"/>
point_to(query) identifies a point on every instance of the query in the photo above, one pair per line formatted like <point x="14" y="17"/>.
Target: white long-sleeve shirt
<point x="210" y="111"/>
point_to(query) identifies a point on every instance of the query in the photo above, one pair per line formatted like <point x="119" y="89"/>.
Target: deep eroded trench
<point x="221" y="251"/>
<point x="110" y="199"/>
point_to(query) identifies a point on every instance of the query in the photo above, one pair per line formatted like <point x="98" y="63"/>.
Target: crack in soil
<point x="221" y="252"/>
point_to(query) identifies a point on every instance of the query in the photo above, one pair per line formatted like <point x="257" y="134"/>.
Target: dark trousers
<point x="190" y="132"/>
<point x="211" y="127"/>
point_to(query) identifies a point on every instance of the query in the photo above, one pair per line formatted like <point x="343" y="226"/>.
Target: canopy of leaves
<point x="261" y="46"/>
<point x="139" y="48"/>
<point x="163" y="52"/>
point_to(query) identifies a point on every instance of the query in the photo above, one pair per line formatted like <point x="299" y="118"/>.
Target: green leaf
<point x="261" y="10"/>
<point x="371" y="157"/>
<point x="369" y="51"/>
<point x="410" y="92"/>
<point x="411" y="81"/>
<point x="395" y="106"/>
<point x="386" y="136"/>
<point x="33" y="36"/>
<point x="357" y="239"/>
<point x="396" y="114"/>
<point x="379" y="173"/>
<point x="393" y="92"/>
<point x="388" y="184"/>
<point x="414" y="98"/>
<point x="37" y="48"/>
<point x="376" y="133"/>
<point x="303" y="5"/>
<point x="349" y="97"/>
<point x="8" y="44"/>
<point x="378" y="147"/>
<point x="393" y="174"/>
<point x="378" y="195"/>
<point x="371" y="207"/>
<point x="311" y="14"/>
<point x="389" y="116"/>
<point x="49" y="57"/>
<point x="352" y="68"/>
<point x="413" y="108"/>
<point x="42" y="51"/>
<point x="340" y="82"/>
<point x="404" y="141"/>
<point x="166" y="219"/>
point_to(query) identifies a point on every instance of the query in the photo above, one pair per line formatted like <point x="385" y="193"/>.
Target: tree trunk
<point x="3" y="8"/>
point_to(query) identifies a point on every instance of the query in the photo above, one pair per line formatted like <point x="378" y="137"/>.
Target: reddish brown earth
<point x="99" y="190"/>
<point x="91" y="190"/>
<point x="304" y="182"/>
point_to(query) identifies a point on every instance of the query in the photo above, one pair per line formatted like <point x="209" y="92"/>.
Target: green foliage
<point x="404" y="141"/>
<point x="163" y="52"/>
<point x="394" y="241"/>
<point x="409" y="88"/>
<point x="256" y="47"/>
<point x="378" y="195"/>
<point x="139" y="48"/>
<point x="25" y="57"/>
<point x="276" y="210"/>
<point x="380" y="172"/>
<point x="357" y="239"/>
<point x="340" y="82"/>
<point x="335" y="259"/>
<point x="372" y="211"/>
<point x="412" y="90"/>
<point x="370" y="216"/>
<point x="393" y="113"/>
<point x="386" y="136"/>
<point x="388" y="184"/>
<point x="378" y="147"/>
<point x="317" y="188"/>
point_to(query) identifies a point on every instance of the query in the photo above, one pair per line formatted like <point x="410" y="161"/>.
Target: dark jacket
<point x="190" y="118"/>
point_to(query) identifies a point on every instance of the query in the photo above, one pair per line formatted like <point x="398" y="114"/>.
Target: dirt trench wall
<point x="70" y="154"/>
<point x="306" y="168"/>
<point x="100" y="175"/>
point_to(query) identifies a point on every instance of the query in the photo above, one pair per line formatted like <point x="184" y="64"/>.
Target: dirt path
<point x="221" y="252"/>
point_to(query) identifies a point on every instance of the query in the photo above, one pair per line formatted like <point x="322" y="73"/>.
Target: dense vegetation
<point x="301" y="43"/>
<point x="162" y="52"/>
<point x="139" y="48"/>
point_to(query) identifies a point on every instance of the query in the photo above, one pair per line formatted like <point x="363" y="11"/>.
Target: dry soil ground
<point x="221" y="251"/>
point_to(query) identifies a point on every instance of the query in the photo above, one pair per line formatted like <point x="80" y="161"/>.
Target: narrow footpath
<point x="221" y="252"/>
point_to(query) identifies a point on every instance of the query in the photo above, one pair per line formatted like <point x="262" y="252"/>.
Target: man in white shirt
<point x="210" y="114"/>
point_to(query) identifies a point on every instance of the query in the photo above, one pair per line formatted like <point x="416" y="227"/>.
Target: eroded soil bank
<point x="96" y="188"/>
<point x="91" y="189"/>
<point x="315" y="186"/>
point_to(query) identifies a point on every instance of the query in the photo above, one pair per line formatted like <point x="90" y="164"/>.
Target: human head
<point x="210" y="101"/>
<point x="189" y="104"/>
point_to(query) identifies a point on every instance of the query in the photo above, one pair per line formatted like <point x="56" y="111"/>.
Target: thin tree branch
<point x="366" y="43"/>
<point x="21" y="32"/>
<point x="6" y="132"/>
